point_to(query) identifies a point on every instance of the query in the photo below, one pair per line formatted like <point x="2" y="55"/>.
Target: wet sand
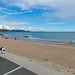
<point x="62" y="55"/>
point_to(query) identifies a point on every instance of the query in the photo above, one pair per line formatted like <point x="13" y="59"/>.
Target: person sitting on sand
<point x="2" y="50"/>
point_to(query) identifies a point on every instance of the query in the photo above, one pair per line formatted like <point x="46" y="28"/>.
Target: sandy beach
<point x="62" y="55"/>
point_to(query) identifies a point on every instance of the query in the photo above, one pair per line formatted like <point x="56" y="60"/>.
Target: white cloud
<point x="28" y="4"/>
<point x="32" y="29"/>
<point x="10" y="28"/>
<point x="12" y="12"/>
<point x="1" y="8"/>
<point x="13" y="22"/>
<point x="4" y="27"/>
<point x="3" y="16"/>
<point x="4" y="9"/>
<point x="65" y="9"/>
<point x="22" y="28"/>
<point x="57" y="23"/>
<point x="17" y="12"/>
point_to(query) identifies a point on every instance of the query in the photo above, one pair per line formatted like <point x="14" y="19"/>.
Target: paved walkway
<point x="9" y="68"/>
<point x="25" y="66"/>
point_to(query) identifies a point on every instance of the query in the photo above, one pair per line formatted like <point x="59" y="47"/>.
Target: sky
<point x="38" y="15"/>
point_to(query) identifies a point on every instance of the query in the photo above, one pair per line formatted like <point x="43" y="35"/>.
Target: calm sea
<point x="44" y="37"/>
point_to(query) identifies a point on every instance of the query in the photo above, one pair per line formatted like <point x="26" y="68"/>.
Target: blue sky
<point x="38" y="15"/>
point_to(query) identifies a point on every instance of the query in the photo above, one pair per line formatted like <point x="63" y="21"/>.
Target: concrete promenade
<point x="29" y="65"/>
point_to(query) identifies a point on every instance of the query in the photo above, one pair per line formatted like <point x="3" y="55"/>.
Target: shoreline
<point x="42" y="53"/>
<point x="61" y="42"/>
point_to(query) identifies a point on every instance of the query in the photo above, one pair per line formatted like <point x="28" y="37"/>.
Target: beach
<point x="61" y="55"/>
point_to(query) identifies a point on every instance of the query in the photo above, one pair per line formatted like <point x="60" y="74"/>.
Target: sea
<point x="55" y="38"/>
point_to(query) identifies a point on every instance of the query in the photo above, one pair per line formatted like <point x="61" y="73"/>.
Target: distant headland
<point x="5" y="30"/>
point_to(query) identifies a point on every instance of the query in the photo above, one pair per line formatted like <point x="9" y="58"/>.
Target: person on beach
<point x="6" y="38"/>
<point x="15" y="38"/>
<point x="70" y="41"/>
<point x="2" y="50"/>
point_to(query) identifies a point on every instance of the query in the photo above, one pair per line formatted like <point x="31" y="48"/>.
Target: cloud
<point x="4" y="27"/>
<point x="65" y="9"/>
<point x="29" y="4"/>
<point x="32" y="29"/>
<point x="12" y="12"/>
<point x="2" y="9"/>
<point x="16" y="12"/>
<point x="57" y="23"/>
<point x="5" y="9"/>
<point x="3" y="16"/>
<point x="13" y="22"/>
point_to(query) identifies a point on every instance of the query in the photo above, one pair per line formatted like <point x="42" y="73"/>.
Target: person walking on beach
<point x="2" y="50"/>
